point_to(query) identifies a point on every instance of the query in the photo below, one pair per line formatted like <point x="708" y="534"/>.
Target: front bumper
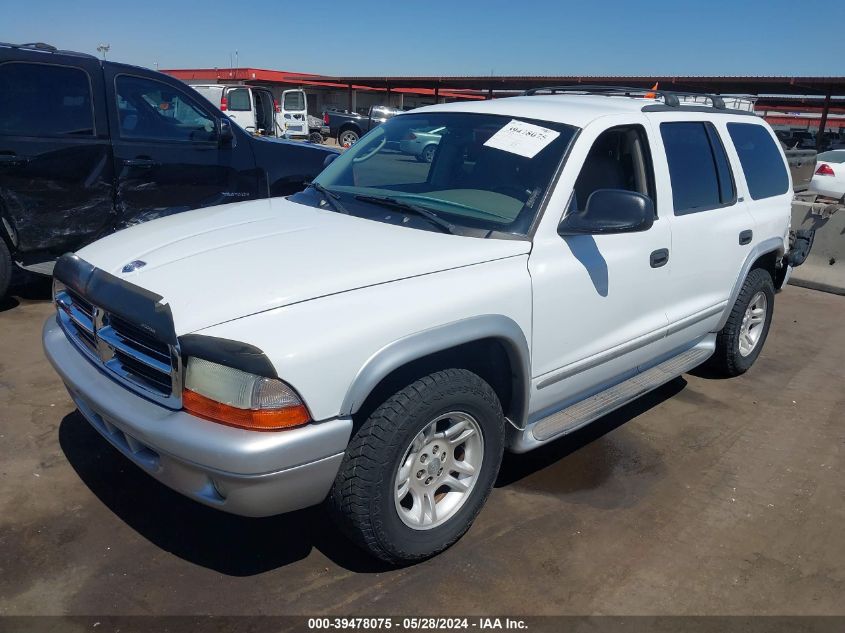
<point x="251" y="473"/>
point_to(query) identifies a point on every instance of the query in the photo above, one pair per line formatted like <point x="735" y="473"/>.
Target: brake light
<point x="223" y="105"/>
<point x="325" y="118"/>
<point x="825" y="170"/>
<point x="276" y="106"/>
<point x="411" y="136"/>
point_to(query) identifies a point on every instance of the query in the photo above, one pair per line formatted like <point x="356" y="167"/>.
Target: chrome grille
<point x="132" y="355"/>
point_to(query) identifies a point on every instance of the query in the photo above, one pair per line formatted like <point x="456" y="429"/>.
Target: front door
<point x="599" y="300"/>
<point x="56" y="180"/>
<point x="167" y="153"/>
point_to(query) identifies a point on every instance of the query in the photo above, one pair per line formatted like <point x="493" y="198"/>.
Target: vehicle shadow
<point x="516" y="467"/>
<point x="229" y="544"/>
<point x="240" y="546"/>
<point x="27" y="287"/>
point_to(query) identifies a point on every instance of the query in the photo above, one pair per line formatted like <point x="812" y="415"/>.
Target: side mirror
<point x="610" y="211"/>
<point x="329" y="160"/>
<point x="225" y="133"/>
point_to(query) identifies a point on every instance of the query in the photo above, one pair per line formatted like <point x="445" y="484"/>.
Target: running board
<point x="41" y="268"/>
<point x="577" y="415"/>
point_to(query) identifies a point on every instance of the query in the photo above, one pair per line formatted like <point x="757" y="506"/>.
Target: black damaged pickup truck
<point x="88" y="147"/>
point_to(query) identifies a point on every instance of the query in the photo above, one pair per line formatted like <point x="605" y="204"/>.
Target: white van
<point x="256" y="111"/>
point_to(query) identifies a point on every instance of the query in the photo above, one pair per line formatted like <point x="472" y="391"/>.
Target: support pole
<point x="490" y="93"/>
<point x="349" y="98"/>
<point x="823" y="120"/>
<point x="436" y="94"/>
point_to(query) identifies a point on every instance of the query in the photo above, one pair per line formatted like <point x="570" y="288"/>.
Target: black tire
<point x="362" y="498"/>
<point x="5" y="268"/>
<point x="316" y="138"/>
<point x="727" y="359"/>
<point x="427" y="155"/>
<point x="347" y="136"/>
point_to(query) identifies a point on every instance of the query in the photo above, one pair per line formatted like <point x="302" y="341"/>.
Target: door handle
<point x="745" y="237"/>
<point x="659" y="258"/>
<point x="144" y="163"/>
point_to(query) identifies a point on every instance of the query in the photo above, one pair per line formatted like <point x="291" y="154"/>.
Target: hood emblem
<point x="134" y="265"/>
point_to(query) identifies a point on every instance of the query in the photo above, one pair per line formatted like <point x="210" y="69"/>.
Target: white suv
<point x="378" y="340"/>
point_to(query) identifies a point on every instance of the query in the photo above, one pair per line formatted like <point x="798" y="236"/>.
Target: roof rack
<point x="44" y="48"/>
<point x="670" y="97"/>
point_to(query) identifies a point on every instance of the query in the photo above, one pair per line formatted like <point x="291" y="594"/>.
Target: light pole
<point x="104" y="48"/>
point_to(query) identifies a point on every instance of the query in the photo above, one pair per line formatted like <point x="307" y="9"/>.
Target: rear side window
<point x="761" y="161"/>
<point x="42" y="100"/>
<point x="698" y="167"/>
<point x="237" y="100"/>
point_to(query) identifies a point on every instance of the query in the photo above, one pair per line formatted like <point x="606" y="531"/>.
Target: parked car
<point x="347" y="127"/>
<point x="829" y="179"/>
<point x="318" y="131"/>
<point x="380" y="338"/>
<point x="803" y="139"/>
<point x="421" y="144"/>
<point x="88" y="146"/>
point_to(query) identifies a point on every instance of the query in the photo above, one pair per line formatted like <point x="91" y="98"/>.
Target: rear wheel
<point x="5" y="268"/>
<point x="347" y="138"/>
<point x="739" y="343"/>
<point x="427" y="155"/>
<point x="419" y="469"/>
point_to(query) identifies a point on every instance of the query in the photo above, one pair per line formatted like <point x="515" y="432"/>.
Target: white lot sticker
<point x="519" y="137"/>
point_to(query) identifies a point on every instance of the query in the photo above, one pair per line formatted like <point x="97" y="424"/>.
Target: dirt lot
<point x="707" y="496"/>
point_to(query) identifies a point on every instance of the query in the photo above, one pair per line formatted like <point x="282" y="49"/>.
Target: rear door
<point x="167" y="153"/>
<point x="55" y="158"/>
<point x="712" y="229"/>
<point x="240" y="107"/>
<point x="294" y="113"/>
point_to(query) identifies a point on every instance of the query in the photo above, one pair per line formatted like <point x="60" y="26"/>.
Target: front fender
<point x="437" y="339"/>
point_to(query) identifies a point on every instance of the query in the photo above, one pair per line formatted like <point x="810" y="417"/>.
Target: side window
<point x="698" y="167"/>
<point x="42" y="100"/>
<point x="619" y="159"/>
<point x="761" y="161"/>
<point x="237" y="100"/>
<point x="152" y="110"/>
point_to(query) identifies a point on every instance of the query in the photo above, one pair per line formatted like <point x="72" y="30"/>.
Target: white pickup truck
<point x="378" y="340"/>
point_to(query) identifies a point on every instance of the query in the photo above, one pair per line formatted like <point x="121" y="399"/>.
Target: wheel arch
<point x="764" y="255"/>
<point x="493" y="346"/>
<point x="350" y="127"/>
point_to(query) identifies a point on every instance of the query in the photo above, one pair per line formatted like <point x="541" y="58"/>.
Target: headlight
<point x="237" y="398"/>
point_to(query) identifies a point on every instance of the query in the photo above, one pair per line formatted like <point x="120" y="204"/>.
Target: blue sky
<point x="454" y="37"/>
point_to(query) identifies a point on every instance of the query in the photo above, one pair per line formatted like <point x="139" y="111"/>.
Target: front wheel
<point x="419" y="469"/>
<point x="739" y="343"/>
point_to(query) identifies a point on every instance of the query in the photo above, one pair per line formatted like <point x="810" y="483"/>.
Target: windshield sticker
<point x="519" y="137"/>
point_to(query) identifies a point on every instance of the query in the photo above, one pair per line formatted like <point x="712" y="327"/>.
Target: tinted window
<point x="41" y="100"/>
<point x="294" y="101"/>
<point x="154" y="110"/>
<point x="237" y="100"/>
<point x="833" y="156"/>
<point x="699" y="172"/>
<point x="761" y="161"/>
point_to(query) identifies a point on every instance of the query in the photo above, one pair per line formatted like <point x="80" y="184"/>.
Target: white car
<point x="829" y="179"/>
<point x="380" y="339"/>
<point x="421" y="144"/>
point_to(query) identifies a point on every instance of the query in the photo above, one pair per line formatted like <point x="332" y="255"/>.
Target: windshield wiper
<point x="329" y="196"/>
<point x="387" y="201"/>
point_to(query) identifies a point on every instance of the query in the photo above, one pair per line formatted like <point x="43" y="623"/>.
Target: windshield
<point x="478" y="171"/>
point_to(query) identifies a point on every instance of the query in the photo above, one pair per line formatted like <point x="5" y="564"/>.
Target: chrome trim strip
<point x="113" y="339"/>
<point x="691" y="320"/>
<point x="601" y="357"/>
<point x="630" y="346"/>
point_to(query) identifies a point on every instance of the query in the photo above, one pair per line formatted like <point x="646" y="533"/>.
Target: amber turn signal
<point x="254" y="419"/>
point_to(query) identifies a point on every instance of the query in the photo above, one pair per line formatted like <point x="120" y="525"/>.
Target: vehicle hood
<point x="222" y="263"/>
